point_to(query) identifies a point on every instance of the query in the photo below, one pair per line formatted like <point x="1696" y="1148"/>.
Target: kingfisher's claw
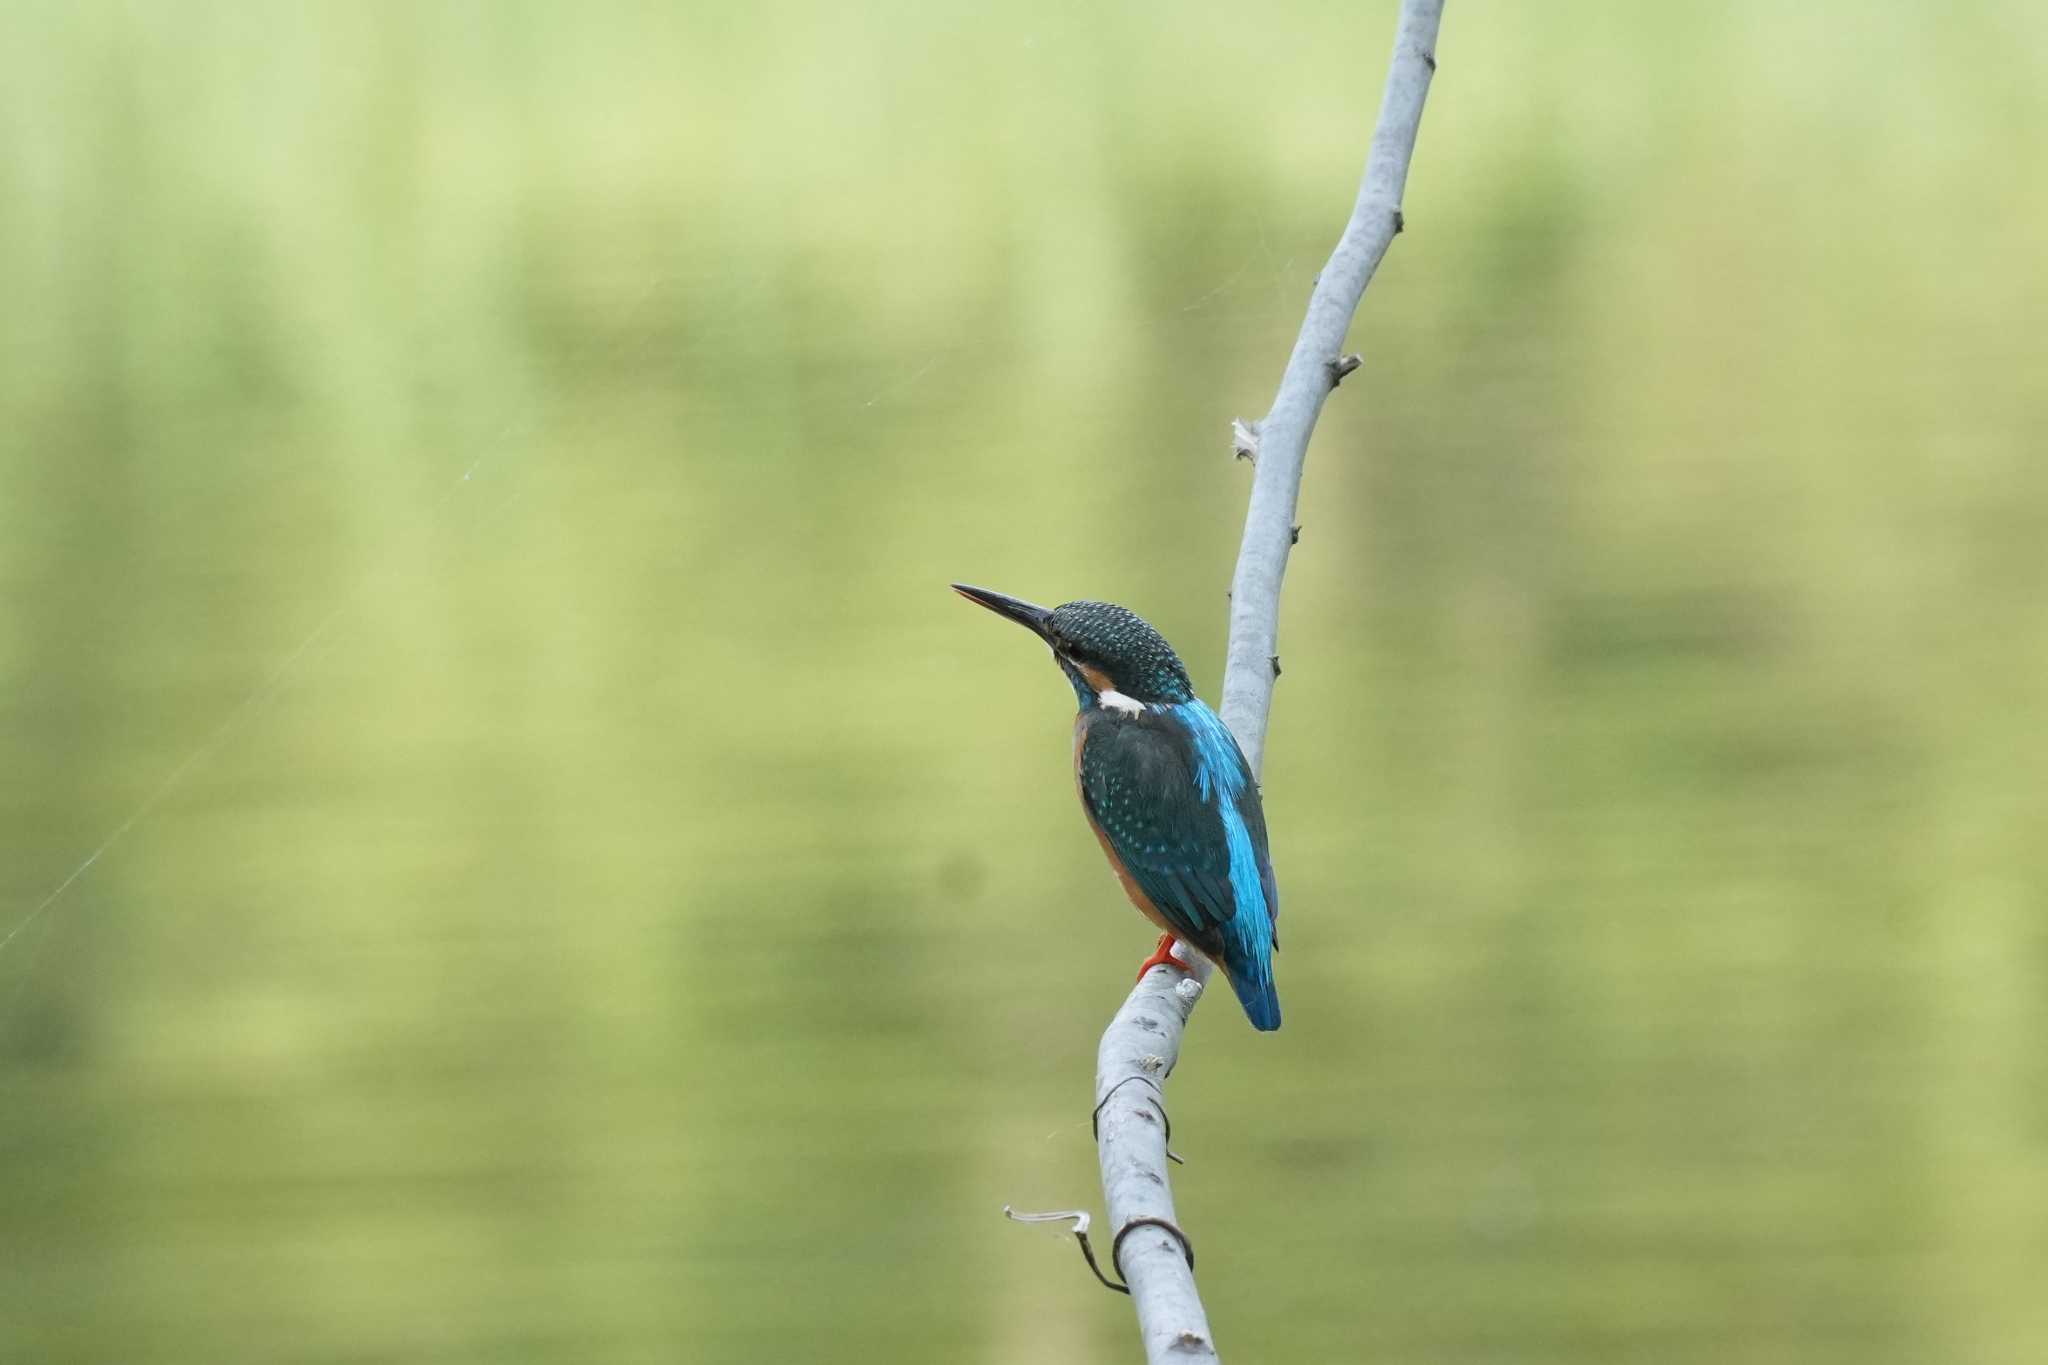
<point x="1162" y="956"/>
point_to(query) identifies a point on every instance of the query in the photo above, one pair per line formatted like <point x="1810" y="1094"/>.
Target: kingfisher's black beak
<point x="1026" y="614"/>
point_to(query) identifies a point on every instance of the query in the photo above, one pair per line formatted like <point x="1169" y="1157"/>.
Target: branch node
<point x="1188" y="989"/>
<point x="1341" y="366"/>
<point x="1274" y="659"/>
<point x="1244" y="439"/>
<point x="1400" y="222"/>
<point x="1430" y="59"/>
<point x="1294" y="536"/>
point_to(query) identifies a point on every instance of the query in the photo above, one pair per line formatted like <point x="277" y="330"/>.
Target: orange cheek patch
<point x="1096" y="678"/>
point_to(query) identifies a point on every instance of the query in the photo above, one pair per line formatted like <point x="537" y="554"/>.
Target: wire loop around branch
<point x="1158" y="1102"/>
<point x="1116" y="1248"/>
<point x="1081" y="1220"/>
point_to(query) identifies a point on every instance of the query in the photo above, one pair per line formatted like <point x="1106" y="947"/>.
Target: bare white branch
<point x="1313" y="370"/>
<point x="1142" y="1043"/>
<point x="1153" y="1256"/>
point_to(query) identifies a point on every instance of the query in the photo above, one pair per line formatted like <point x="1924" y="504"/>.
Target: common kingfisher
<point x="1166" y="790"/>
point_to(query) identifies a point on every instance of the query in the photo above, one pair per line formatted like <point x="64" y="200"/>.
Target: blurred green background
<point x="476" y="494"/>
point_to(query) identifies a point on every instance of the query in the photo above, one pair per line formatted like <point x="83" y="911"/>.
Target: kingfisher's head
<point x="1107" y="652"/>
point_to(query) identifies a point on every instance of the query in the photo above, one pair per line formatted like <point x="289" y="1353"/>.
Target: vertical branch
<point x="1279" y="443"/>
<point x="1142" y="1043"/>
<point x="1154" y="1257"/>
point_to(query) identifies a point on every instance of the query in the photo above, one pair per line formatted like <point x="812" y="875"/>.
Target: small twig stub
<point x="1244" y="439"/>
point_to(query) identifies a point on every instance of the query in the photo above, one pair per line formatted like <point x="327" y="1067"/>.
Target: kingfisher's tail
<point x="1260" y="998"/>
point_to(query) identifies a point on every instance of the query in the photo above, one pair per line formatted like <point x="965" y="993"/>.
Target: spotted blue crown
<point x="1123" y="646"/>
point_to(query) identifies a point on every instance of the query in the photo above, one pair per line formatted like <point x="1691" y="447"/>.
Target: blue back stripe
<point x="1220" y="777"/>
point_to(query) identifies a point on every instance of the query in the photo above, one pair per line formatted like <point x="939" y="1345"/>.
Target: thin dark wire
<point x="256" y="698"/>
<point x="266" y="690"/>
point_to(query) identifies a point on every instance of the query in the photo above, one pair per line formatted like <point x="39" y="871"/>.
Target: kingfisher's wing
<point x="1251" y="808"/>
<point x="1177" y="807"/>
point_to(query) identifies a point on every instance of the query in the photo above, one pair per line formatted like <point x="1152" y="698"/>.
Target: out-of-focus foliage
<point x="476" y="494"/>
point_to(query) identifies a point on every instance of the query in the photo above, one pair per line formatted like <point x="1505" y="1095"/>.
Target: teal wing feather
<point x="1178" y="806"/>
<point x="1138" y="782"/>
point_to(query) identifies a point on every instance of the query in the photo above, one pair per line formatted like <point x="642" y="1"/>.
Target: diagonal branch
<point x="1142" y="1043"/>
<point x="1313" y="370"/>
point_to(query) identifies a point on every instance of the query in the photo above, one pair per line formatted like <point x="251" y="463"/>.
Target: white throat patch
<point x="1117" y="701"/>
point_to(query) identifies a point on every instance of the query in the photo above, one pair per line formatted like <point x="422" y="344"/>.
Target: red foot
<point x="1162" y="956"/>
